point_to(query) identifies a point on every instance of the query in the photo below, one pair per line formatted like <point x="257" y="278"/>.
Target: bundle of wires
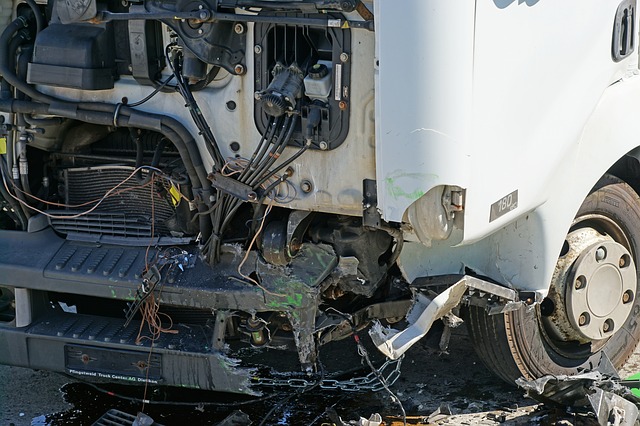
<point x="257" y="172"/>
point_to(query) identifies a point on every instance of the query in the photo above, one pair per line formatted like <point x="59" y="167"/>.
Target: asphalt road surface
<point x="457" y="381"/>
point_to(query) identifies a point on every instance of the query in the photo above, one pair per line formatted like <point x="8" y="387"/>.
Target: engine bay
<point x="146" y="212"/>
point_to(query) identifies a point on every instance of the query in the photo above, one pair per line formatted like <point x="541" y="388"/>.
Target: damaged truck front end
<point x="222" y="194"/>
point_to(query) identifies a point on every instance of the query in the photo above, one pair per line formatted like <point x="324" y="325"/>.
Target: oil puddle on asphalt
<point x="172" y="406"/>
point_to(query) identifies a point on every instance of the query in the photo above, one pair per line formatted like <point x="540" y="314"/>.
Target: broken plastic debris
<point x="373" y="420"/>
<point x="143" y="420"/>
<point x="237" y="418"/>
<point x="612" y="403"/>
<point x="442" y="412"/>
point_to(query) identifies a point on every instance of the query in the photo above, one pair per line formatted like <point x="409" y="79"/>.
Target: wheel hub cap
<point x="604" y="281"/>
<point x="593" y="288"/>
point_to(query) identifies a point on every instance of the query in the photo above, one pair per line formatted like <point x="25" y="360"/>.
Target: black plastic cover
<point x="78" y="56"/>
<point x="147" y="50"/>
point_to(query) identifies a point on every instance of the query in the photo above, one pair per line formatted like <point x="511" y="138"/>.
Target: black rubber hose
<point x="21" y="72"/>
<point x="157" y="154"/>
<point x="169" y="127"/>
<point x="211" y="75"/>
<point x="9" y="74"/>
<point x="14" y="44"/>
<point x="37" y="13"/>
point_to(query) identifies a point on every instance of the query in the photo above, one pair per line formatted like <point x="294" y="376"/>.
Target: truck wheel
<point x="591" y="306"/>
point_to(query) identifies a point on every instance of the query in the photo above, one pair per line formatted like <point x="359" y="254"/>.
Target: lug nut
<point x="605" y="327"/>
<point x="582" y="320"/>
<point x="601" y="253"/>
<point x="626" y="297"/>
<point x="581" y="281"/>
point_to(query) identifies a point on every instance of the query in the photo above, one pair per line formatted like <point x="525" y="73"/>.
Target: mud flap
<point x="425" y="311"/>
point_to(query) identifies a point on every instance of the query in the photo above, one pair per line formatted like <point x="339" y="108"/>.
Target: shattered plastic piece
<point x="441" y="413"/>
<point x="143" y="420"/>
<point x="374" y="420"/>
<point x="237" y="418"/>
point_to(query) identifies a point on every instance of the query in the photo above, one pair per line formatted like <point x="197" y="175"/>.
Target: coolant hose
<point x="169" y="127"/>
<point x="37" y="14"/>
<point x="7" y="73"/>
<point x="14" y="44"/>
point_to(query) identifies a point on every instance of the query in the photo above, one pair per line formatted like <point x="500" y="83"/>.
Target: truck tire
<point x="592" y="307"/>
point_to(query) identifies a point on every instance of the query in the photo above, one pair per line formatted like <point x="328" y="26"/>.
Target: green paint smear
<point x="635" y="391"/>
<point x="289" y="301"/>
<point x="398" y="192"/>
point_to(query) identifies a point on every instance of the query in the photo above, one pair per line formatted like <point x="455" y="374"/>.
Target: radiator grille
<point x="126" y="213"/>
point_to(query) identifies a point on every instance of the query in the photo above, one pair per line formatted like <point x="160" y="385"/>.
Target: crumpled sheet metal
<point x="423" y="314"/>
<point x="426" y="310"/>
<point x="612" y="403"/>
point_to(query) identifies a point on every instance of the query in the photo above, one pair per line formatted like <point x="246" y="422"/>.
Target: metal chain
<point x="370" y="382"/>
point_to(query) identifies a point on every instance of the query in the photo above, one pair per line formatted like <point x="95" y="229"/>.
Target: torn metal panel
<point x="612" y="403"/>
<point x="612" y="409"/>
<point x="394" y="343"/>
<point x="426" y="310"/>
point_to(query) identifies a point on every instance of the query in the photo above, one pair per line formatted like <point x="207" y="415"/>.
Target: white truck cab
<point x="219" y="193"/>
